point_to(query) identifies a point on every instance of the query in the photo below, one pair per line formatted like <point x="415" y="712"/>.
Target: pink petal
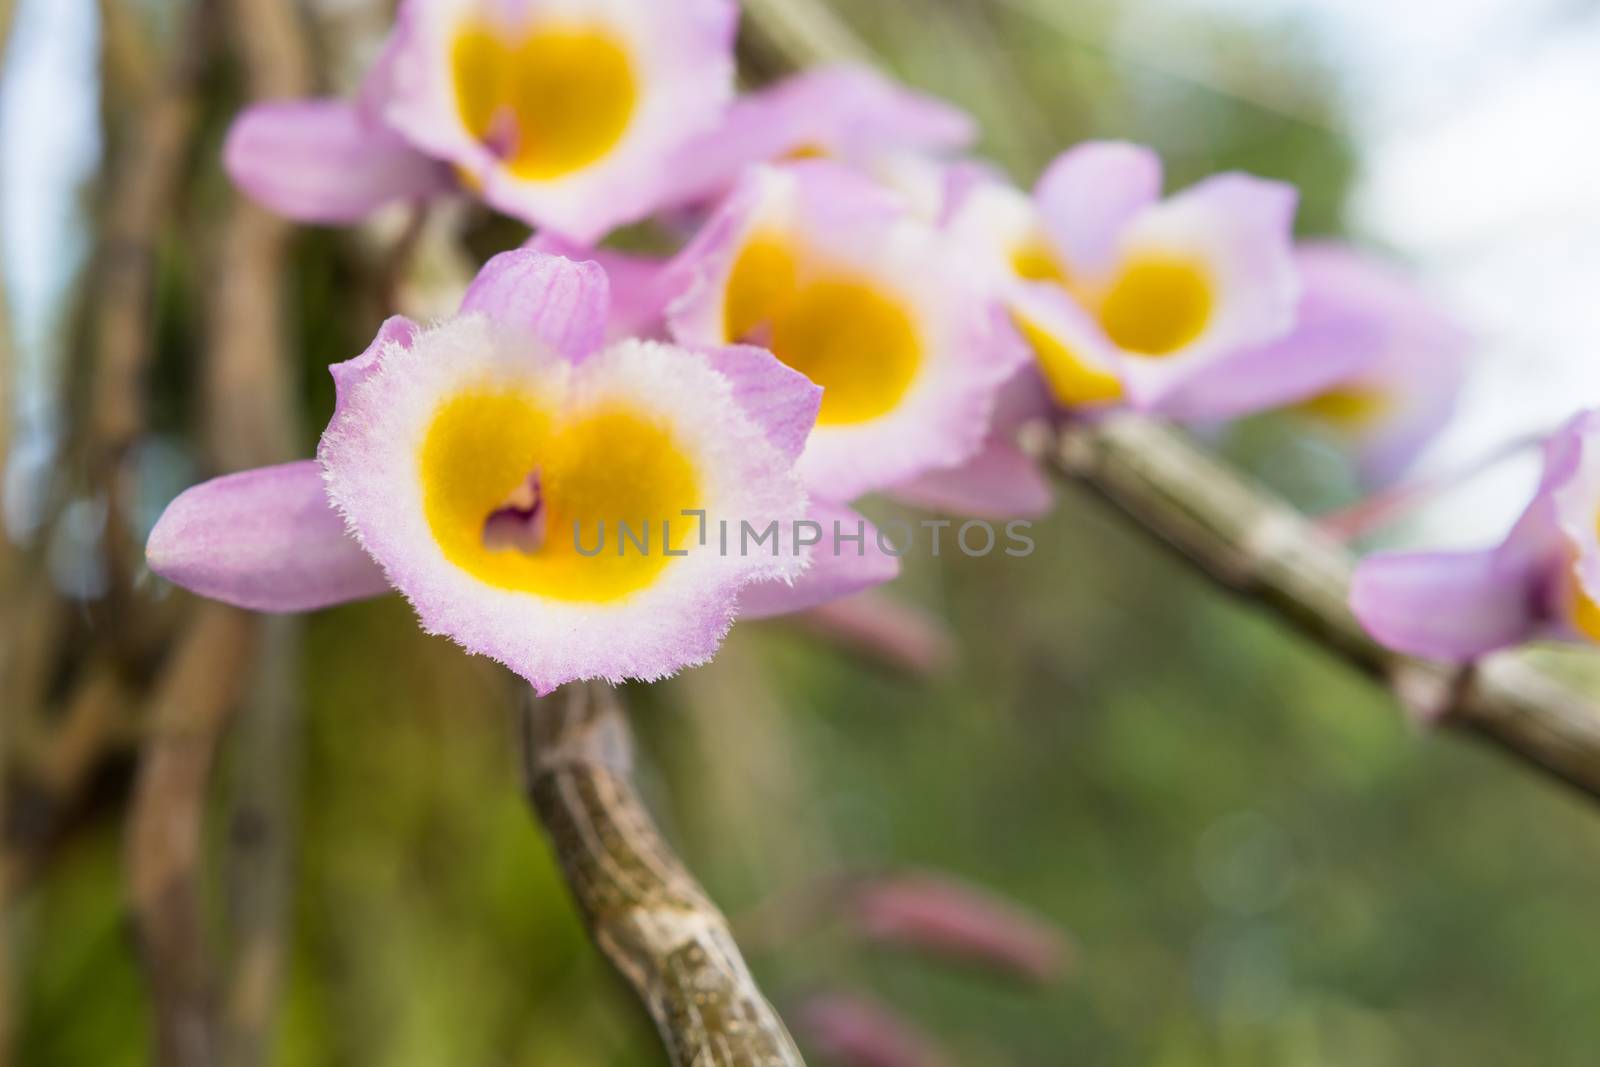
<point x="885" y="630"/>
<point x="1573" y="476"/>
<point x="564" y="304"/>
<point x="1328" y="345"/>
<point x="938" y="915"/>
<point x="1000" y="482"/>
<point x="1452" y="606"/>
<point x="838" y="568"/>
<point x="1025" y="398"/>
<point x="781" y="400"/>
<point x="265" y="539"/>
<point x="1418" y="361"/>
<point x="323" y="161"/>
<point x="853" y="1031"/>
<point x="1089" y="195"/>
<point x="851" y="114"/>
<point x="640" y="286"/>
<point x="396" y="330"/>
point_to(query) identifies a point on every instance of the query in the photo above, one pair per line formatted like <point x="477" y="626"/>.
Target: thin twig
<point x="643" y="908"/>
<point x="203" y="1015"/>
<point x="1250" y="542"/>
<point x="257" y="872"/>
<point x="165" y="833"/>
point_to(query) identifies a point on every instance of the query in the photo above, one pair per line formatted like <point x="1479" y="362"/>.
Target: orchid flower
<point x="852" y="115"/>
<point x="1543" y="580"/>
<point x="849" y="287"/>
<point x="1127" y="298"/>
<point x="1405" y="391"/>
<point x="1371" y="360"/>
<point x="471" y="464"/>
<point x="563" y="113"/>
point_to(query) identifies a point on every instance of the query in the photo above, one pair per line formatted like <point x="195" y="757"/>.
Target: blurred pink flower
<point x="1128" y="298"/>
<point x="564" y="113"/>
<point x="853" y="115"/>
<point x="1543" y="580"/>
<point x="853" y="1031"/>
<point x="1391" y="362"/>
<point x="886" y="631"/>
<point x="943" y="917"/>
<point x="875" y="304"/>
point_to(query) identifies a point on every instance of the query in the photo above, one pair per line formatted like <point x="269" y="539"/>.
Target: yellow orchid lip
<point x="510" y="491"/>
<point x="841" y="330"/>
<point x="1071" y="378"/>
<point x="552" y="101"/>
<point x="1583" y="612"/>
<point x="1350" y="407"/>
<point x="1157" y="305"/>
<point x="1152" y="307"/>
<point x="1033" y="260"/>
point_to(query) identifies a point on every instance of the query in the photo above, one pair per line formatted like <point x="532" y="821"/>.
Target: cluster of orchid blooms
<point x="856" y="308"/>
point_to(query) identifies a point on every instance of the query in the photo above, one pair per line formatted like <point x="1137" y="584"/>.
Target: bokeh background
<point x="1257" y="859"/>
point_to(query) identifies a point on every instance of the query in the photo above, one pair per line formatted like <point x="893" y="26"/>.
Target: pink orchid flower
<point x="1372" y="362"/>
<point x="848" y="285"/>
<point x="563" y="113"/>
<point x="1543" y="580"/>
<point x="1128" y="298"/>
<point x="473" y="465"/>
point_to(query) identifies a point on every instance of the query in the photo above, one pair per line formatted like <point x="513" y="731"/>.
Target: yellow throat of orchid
<point x="551" y="101"/>
<point x="512" y="494"/>
<point x="1153" y="307"/>
<point x="1156" y="306"/>
<point x="846" y="333"/>
<point x="1351" y="408"/>
<point x="1582" y="611"/>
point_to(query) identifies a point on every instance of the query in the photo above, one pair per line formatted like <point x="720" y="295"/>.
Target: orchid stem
<point x="643" y="908"/>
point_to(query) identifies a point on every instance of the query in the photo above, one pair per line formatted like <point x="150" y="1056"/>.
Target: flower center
<point x="1350" y="407"/>
<point x="1075" y="382"/>
<point x="524" y="503"/>
<point x="1035" y="261"/>
<point x="522" y="521"/>
<point x="1155" y="307"/>
<point x="550" y="103"/>
<point x="1582" y="611"/>
<point x="845" y="334"/>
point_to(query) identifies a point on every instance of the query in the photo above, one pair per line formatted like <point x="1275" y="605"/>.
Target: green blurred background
<point x="1259" y="861"/>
